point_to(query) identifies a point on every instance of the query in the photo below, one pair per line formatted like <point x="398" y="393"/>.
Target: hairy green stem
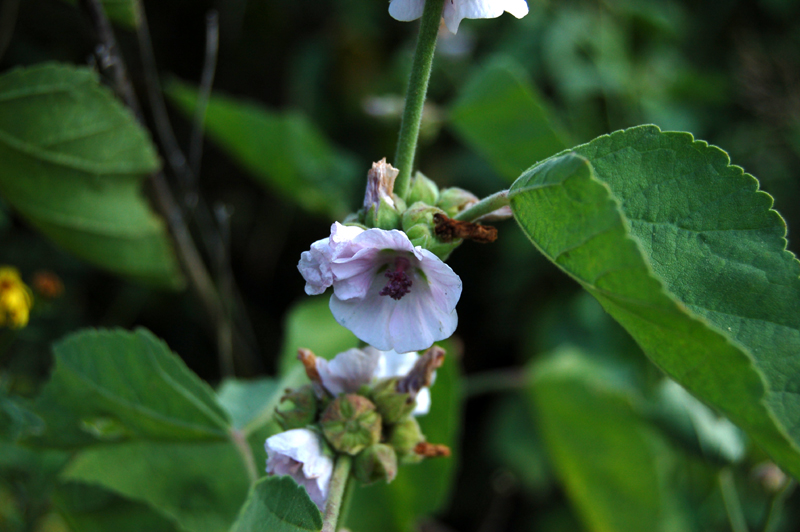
<point x="484" y="207"/>
<point x="240" y="441"/>
<point x="341" y="474"/>
<point x="415" y="96"/>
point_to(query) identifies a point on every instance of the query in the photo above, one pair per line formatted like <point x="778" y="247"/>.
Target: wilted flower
<point x="303" y="455"/>
<point x="455" y="10"/>
<point x="392" y="295"/>
<point x="15" y="299"/>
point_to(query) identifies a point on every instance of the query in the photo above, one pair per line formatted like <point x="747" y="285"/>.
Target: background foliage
<point x="306" y="96"/>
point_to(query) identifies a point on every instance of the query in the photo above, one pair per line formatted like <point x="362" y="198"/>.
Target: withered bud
<point x="432" y="450"/>
<point x="309" y="361"/>
<point x="380" y="184"/>
<point x="447" y="230"/>
<point x="421" y="374"/>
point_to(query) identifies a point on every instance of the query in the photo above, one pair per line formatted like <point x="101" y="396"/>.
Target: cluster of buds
<point x="362" y="403"/>
<point x="416" y="214"/>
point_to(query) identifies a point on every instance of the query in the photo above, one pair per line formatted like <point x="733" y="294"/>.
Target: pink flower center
<point x="399" y="282"/>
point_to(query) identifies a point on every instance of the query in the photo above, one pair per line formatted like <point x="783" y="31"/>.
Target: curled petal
<point x="348" y="371"/>
<point x="301" y="454"/>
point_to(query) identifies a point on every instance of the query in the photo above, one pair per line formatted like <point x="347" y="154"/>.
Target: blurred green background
<point x="307" y="96"/>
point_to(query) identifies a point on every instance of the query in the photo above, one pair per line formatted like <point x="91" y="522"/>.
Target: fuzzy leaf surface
<point x="113" y="385"/>
<point x="278" y="504"/>
<point x="684" y="251"/>
<point x="72" y="162"/>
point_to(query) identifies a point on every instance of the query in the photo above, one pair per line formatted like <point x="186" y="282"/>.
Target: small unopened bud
<point x="385" y="215"/>
<point x="377" y="462"/>
<point x="454" y="200"/>
<point x="423" y="190"/>
<point x="351" y="423"/>
<point x="771" y="477"/>
<point x="404" y="437"/>
<point x="297" y="408"/>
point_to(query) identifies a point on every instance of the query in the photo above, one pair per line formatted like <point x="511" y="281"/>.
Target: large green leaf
<point x="72" y="161"/>
<point x="278" y="504"/>
<point x="201" y="486"/>
<point x="614" y="466"/>
<point x="89" y="508"/>
<point x="283" y="151"/>
<point x="500" y="114"/>
<point x="422" y="489"/>
<point x="117" y="385"/>
<point x="684" y="251"/>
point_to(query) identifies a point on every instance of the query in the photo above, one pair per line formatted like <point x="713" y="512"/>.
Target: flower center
<point x="399" y="283"/>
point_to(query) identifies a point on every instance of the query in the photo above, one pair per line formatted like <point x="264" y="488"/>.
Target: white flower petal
<point x="394" y="364"/>
<point x="518" y="8"/>
<point x="423" y="403"/>
<point x="406" y="10"/>
<point x="456" y="10"/>
<point x="301" y="454"/>
<point x="348" y="371"/>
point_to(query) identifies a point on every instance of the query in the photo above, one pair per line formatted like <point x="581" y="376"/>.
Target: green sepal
<point x="404" y="437"/>
<point x="391" y="404"/>
<point x="297" y="408"/>
<point x="423" y="190"/>
<point x="454" y="200"/>
<point x="377" y="462"/>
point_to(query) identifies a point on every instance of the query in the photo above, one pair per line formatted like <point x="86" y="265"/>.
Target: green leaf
<point x="72" y="162"/>
<point x="245" y="400"/>
<point x="685" y="252"/>
<point x="311" y="325"/>
<point x="285" y="152"/>
<point x="123" y="12"/>
<point x="421" y="489"/>
<point x="278" y="504"/>
<point x="92" y="509"/>
<point x="614" y="467"/>
<point x="500" y="114"/>
<point x="111" y="386"/>
<point x="201" y="486"/>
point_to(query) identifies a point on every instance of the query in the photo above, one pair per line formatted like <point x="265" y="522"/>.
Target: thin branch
<point x="246" y="453"/>
<point x="730" y="497"/>
<point x="206" y="82"/>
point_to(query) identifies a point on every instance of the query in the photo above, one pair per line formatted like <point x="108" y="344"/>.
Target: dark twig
<point x="203" y="95"/>
<point x="112" y="60"/>
<point x="9" y="10"/>
<point x="226" y="287"/>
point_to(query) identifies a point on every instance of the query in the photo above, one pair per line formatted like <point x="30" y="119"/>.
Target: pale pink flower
<point x="303" y="455"/>
<point x="390" y="294"/>
<point x="455" y="10"/>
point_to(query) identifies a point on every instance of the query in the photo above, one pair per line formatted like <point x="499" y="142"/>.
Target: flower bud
<point x="351" y="423"/>
<point x="297" y="408"/>
<point x="454" y="200"/>
<point x="404" y="438"/>
<point x="383" y="215"/>
<point x="423" y="190"/>
<point x="391" y="404"/>
<point x="377" y="462"/>
<point x="418" y="224"/>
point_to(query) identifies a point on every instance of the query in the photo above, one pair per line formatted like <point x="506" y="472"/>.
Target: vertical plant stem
<point x="731" y="499"/>
<point x="240" y="441"/>
<point x="341" y="474"/>
<point x="415" y="96"/>
<point x="776" y="506"/>
<point x="483" y="207"/>
<point x="203" y="95"/>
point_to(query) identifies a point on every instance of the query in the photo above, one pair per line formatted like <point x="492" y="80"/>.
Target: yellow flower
<point x="15" y="299"/>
